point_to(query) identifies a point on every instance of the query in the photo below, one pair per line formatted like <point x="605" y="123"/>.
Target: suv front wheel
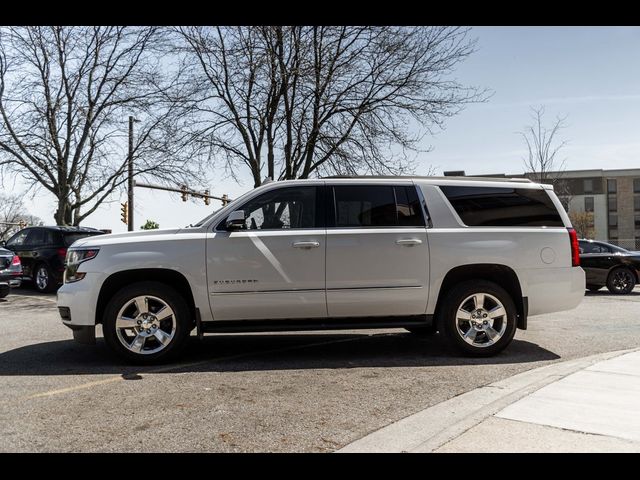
<point x="146" y="322"/>
<point x="478" y="317"/>
<point x="621" y="281"/>
<point x="43" y="279"/>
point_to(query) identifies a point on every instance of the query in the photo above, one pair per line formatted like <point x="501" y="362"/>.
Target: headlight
<point x="74" y="258"/>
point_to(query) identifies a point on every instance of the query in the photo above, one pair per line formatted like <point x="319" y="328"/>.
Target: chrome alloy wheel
<point x="481" y="320"/>
<point x="42" y="278"/>
<point x="145" y="325"/>
<point x="622" y="280"/>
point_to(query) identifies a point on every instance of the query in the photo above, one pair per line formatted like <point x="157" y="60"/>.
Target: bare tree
<point x="542" y="162"/>
<point x="292" y="102"/>
<point x="583" y="223"/>
<point x="65" y="95"/>
<point x="12" y="213"/>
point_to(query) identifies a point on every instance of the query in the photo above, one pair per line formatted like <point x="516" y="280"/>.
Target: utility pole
<point x="130" y="179"/>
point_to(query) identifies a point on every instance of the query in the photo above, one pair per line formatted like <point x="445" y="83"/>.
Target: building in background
<point x="612" y="195"/>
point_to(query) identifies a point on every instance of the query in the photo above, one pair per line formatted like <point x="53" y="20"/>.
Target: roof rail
<point x="423" y="177"/>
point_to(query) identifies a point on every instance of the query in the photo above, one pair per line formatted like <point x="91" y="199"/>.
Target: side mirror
<point x="2" y="243"/>
<point x="235" y="220"/>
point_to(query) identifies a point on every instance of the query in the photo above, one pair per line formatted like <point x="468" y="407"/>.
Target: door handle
<point x="305" y="244"/>
<point x="409" y="242"/>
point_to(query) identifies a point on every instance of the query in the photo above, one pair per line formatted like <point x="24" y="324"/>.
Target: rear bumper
<point x="554" y="289"/>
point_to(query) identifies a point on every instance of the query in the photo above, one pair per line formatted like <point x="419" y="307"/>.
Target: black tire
<point x="424" y="331"/>
<point x="4" y="290"/>
<point x="621" y="281"/>
<point x="45" y="284"/>
<point x="448" y="322"/>
<point x="594" y="288"/>
<point x="182" y="323"/>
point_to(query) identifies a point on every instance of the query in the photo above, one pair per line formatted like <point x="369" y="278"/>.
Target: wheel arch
<point x="502" y="275"/>
<point x="171" y="278"/>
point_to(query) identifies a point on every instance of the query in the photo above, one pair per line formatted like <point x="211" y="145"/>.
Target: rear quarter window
<point x="69" y="238"/>
<point x="503" y="207"/>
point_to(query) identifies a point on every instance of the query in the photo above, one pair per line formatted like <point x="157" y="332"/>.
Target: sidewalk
<point x="586" y="405"/>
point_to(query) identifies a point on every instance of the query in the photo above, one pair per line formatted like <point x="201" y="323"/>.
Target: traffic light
<point x="225" y="200"/>
<point x="124" y="209"/>
<point x="207" y="201"/>
<point x="184" y="193"/>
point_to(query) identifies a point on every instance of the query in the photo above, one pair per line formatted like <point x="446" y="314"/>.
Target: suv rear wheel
<point x="147" y="322"/>
<point x="478" y="317"/>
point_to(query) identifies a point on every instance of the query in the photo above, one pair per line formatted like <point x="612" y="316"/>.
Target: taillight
<point x="15" y="261"/>
<point x="62" y="253"/>
<point x="575" y="248"/>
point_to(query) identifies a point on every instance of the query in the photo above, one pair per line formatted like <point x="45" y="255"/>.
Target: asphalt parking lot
<point x="302" y="392"/>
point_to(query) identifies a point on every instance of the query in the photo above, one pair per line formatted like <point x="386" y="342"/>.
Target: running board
<point x="292" y="324"/>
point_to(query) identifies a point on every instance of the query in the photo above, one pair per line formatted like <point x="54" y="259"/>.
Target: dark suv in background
<point x="42" y="251"/>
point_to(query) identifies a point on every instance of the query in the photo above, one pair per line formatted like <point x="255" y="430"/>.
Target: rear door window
<point x="503" y="207"/>
<point x="50" y="238"/>
<point x="376" y="206"/>
<point x="590" y="247"/>
<point x="69" y="238"/>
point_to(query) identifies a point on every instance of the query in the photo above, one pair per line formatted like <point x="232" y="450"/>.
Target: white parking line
<point x="84" y="386"/>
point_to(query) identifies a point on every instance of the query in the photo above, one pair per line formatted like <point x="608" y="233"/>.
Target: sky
<point x="590" y="75"/>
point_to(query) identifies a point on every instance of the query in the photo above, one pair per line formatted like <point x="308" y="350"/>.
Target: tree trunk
<point x="63" y="214"/>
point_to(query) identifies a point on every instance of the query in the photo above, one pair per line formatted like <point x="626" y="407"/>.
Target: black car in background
<point x="42" y="251"/>
<point x="10" y="271"/>
<point x="609" y="265"/>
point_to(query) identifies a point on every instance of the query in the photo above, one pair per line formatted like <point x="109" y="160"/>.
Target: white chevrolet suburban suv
<point x="471" y="258"/>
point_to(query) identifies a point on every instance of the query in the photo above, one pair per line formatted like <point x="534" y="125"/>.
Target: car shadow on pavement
<point x="262" y="352"/>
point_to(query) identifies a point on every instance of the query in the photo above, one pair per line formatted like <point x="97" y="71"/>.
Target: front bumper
<point x="84" y="334"/>
<point x="77" y="306"/>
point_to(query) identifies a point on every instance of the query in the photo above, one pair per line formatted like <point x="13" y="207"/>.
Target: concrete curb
<point x="431" y="428"/>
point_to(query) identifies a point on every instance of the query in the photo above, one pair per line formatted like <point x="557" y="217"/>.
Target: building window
<point x="612" y="185"/>
<point x="636" y="203"/>
<point x="588" y="185"/>
<point x="588" y="204"/>
<point x="613" y="220"/>
<point x="636" y="185"/>
<point x="613" y="203"/>
<point x="637" y="221"/>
